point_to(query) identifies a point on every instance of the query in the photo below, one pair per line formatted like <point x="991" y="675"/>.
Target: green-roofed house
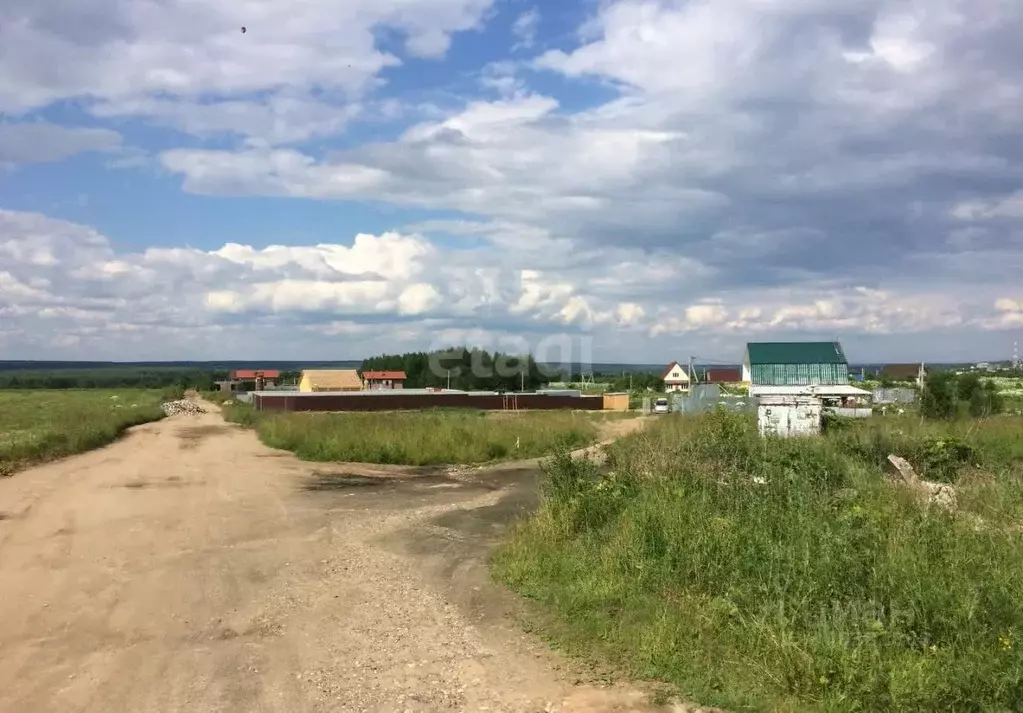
<point x="794" y="364"/>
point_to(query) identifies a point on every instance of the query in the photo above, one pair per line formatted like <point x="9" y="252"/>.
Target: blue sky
<point x="625" y="180"/>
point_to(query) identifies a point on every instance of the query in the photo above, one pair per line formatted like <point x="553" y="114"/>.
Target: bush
<point x="944" y="392"/>
<point x="943" y="458"/>
<point x="938" y="398"/>
<point x="986" y="401"/>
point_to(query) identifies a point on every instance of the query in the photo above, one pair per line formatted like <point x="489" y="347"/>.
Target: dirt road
<point x="190" y="568"/>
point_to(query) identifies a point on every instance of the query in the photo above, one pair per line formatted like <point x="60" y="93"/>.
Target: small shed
<point x="787" y="415"/>
<point x="616" y="402"/>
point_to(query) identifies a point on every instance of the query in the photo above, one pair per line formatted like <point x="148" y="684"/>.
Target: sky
<point x="589" y="180"/>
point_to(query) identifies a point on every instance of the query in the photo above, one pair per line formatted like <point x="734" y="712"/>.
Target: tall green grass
<point x="418" y="437"/>
<point x="38" y="425"/>
<point x="218" y="396"/>
<point x="788" y="575"/>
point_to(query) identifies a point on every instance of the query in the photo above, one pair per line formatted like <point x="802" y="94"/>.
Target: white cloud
<point x="391" y="254"/>
<point x="630" y="313"/>
<point x="493" y="158"/>
<point x="419" y="298"/>
<point x="67" y="279"/>
<point x="759" y="158"/>
<point x="1008" y="207"/>
<point x="705" y="315"/>
<point x="280" y="119"/>
<point x="502" y="77"/>
<point x="1008" y="314"/>
<point x="14" y="290"/>
<point x="190" y="65"/>
<point x="272" y="172"/>
<point x="525" y="27"/>
<point x="898" y="40"/>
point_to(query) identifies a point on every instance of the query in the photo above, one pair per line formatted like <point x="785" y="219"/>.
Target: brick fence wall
<point x="406" y="402"/>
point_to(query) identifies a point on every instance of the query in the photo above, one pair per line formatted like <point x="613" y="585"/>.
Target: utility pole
<point x="692" y="373"/>
<point x="449" y="378"/>
<point x="522" y="381"/>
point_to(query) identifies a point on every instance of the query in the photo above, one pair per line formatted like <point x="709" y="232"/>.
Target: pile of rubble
<point x="172" y="408"/>
<point x="928" y="493"/>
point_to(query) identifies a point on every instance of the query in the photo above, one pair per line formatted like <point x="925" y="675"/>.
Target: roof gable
<point x="670" y="368"/>
<point x="333" y="378"/>
<point x="795" y="353"/>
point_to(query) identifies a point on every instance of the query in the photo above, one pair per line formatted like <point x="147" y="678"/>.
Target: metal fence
<point x="894" y="395"/>
<point x="708" y="397"/>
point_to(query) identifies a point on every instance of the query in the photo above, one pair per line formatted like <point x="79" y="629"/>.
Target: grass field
<point x="788" y="575"/>
<point x="218" y="396"/>
<point x="38" y="425"/>
<point x="421" y="437"/>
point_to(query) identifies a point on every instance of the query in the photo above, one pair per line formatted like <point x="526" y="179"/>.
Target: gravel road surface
<point x="187" y="567"/>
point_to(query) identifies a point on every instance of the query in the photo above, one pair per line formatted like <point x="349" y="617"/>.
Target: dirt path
<point x="190" y="568"/>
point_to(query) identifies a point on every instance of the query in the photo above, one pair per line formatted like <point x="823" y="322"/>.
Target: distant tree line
<point x="468" y="369"/>
<point x="110" y="378"/>
<point x="638" y="381"/>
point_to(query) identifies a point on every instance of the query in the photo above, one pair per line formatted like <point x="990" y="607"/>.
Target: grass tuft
<point x="788" y="575"/>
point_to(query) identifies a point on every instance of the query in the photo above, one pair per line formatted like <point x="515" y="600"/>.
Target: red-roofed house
<point x="252" y="374"/>
<point x="376" y="380"/>
<point x="722" y="375"/>
<point x="263" y="378"/>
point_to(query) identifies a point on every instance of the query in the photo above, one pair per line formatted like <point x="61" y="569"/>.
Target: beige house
<point x="675" y="378"/>
<point x="330" y="380"/>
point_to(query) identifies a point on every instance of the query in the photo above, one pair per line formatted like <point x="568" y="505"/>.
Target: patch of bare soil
<point x="613" y="429"/>
<point x="148" y="577"/>
<point x="190" y="436"/>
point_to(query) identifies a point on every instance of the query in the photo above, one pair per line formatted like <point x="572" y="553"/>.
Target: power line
<point x="708" y="360"/>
